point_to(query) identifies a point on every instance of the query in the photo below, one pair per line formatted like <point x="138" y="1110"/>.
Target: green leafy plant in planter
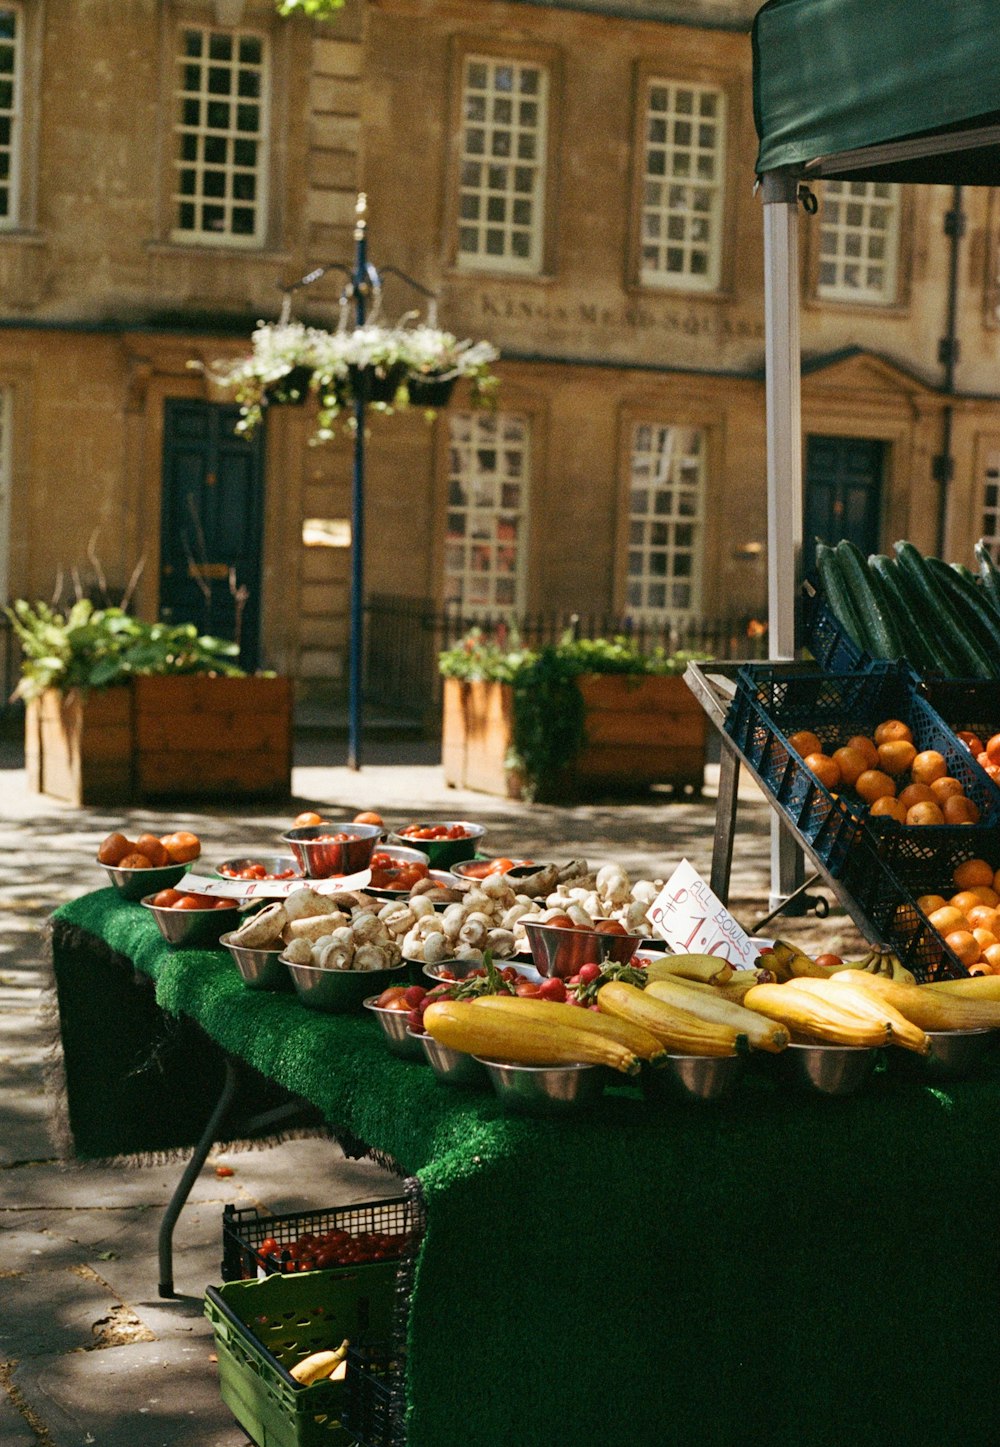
<point x="548" y="708"/>
<point x="89" y="647"/>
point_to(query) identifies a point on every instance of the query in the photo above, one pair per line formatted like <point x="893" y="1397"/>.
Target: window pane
<point x="661" y="547"/>
<point x="219" y="136"/>
<point x="10" y="103"/>
<point x="678" y="150"/>
<point x="485" y="507"/>
<point x="859" y="242"/>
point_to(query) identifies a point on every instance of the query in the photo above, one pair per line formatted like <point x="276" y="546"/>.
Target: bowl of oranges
<point x="148" y="863"/>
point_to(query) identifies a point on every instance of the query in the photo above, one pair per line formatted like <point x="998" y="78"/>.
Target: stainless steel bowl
<point x="545" y="1089"/>
<point x="261" y="969"/>
<point x="829" y="1069"/>
<point x="340" y="991"/>
<point x="399" y="1038"/>
<point x="401" y="856"/>
<point x="957" y="1052"/>
<point x="557" y="951"/>
<point x="454" y="1067"/>
<point x="136" y="883"/>
<point x="192" y="927"/>
<point x="463" y="968"/>
<point x="321" y="858"/>
<point x="275" y="865"/>
<point x="466" y="870"/>
<point x="443" y="853"/>
<point x="692" y="1077"/>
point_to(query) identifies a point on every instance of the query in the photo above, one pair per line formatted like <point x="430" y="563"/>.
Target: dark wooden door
<point x="843" y="493"/>
<point x="212" y="524"/>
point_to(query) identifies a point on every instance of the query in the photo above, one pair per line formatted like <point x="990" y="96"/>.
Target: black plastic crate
<point x="833" y="648"/>
<point x="971" y="704"/>
<point x="896" y="919"/>
<point x="374" y="1405"/>
<point x="245" y="1230"/>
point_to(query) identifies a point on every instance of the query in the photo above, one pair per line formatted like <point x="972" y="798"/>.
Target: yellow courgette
<point x="708" y="1004"/>
<point x="932" y="1009"/>
<point x="549" y="1012"/>
<point x="812" y="1018"/>
<point x="681" y="1031"/>
<point x="460" y="1025"/>
<point x="844" y="990"/>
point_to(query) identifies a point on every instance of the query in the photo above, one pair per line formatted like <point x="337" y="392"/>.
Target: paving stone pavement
<point x="89" y="1354"/>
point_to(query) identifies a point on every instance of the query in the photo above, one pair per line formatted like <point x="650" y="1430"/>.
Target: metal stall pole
<point x="360" y="284"/>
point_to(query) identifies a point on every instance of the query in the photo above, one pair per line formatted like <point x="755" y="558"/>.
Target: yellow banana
<point x="707" y="969"/>
<point x="319" y="1366"/>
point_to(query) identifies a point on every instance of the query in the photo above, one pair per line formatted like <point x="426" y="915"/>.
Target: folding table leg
<point x="725" y="821"/>
<point x="208" y="1138"/>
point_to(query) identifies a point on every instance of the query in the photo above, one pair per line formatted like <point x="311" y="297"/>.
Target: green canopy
<point x="895" y="90"/>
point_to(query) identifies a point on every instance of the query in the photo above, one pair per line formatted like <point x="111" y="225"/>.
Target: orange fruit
<point x="984" y="938"/>
<point x="981" y="916"/>
<point x="852" y="763"/>
<point x="182" y="846"/>
<point x="981" y="968"/>
<point x="924" y="814"/>
<point x="154" y="851"/>
<point x="896" y="756"/>
<point x="960" y="810"/>
<point x="996" y="881"/>
<point x="804" y="742"/>
<point x="930" y="902"/>
<point x="864" y="746"/>
<point x="824" y="768"/>
<point x="886" y="808"/>
<point x="986" y="895"/>
<point x="135" y="861"/>
<point x="948" y="919"/>
<point x="945" y="788"/>
<point x="367" y="817"/>
<point x="965" y="900"/>
<point x="972" y="872"/>
<point x="905" y="920"/>
<point x="993" y="749"/>
<point x="115" y="847"/>
<point x="972" y="742"/>
<point x="917" y="794"/>
<point x="928" y="766"/>
<point x="891" y="729"/>
<point x="963" y="944"/>
<point x="991" y="955"/>
<point x="873" y="784"/>
<point x="303" y="821"/>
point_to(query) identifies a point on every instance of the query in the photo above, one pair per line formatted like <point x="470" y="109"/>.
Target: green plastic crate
<point x="262" y="1328"/>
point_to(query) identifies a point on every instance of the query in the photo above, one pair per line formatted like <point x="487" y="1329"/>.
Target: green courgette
<point x="881" y="636"/>
<point x="935" y="612"/>
<point x="970" y="605"/>
<point x="837" y="594"/>
<point x="989" y="572"/>
<point x="916" y="648"/>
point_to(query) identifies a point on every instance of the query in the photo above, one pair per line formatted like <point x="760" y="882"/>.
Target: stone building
<point x="575" y="182"/>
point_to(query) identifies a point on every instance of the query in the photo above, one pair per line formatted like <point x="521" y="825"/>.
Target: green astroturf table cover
<point x="780" y="1268"/>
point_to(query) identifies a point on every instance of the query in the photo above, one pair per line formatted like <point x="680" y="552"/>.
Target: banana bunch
<point x="789" y="962"/>
<point x="320" y="1366"/>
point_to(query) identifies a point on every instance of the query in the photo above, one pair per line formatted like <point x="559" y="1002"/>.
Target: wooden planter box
<point x="639" y="730"/>
<point x="191" y="736"/>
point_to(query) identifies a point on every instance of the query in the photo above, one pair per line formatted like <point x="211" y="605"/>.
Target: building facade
<point x="575" y="183"/>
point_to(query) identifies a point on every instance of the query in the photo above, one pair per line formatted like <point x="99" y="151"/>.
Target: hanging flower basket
<point x="291" y="390"/>
<point x="378" y="383"/>
<point x="430" y="391"/>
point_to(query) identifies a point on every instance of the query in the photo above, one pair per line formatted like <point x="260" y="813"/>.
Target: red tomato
<point x="829" y="962"/>
<point x="561" y="921"/>
<point x="226" y="904"/>
<point x="610" y="927"/>
<point x="166" y="898"/>
<point x="189" y="901"/>
<point x="527" y="991"/>
<point x="268" y="1247"/>
<point x="552" y="989"/>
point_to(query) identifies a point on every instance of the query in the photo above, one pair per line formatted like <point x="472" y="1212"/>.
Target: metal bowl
<point x="338" y="992"/>
<point x="464" y="870"/>
<point x="957" y="1052"/>
<point x="275" y="866"/>
<point x="443" y="853"/>
<point x="545" y="1089"/>
<point x="399" y="1038"/>
<point x="558" y="951"/>
<point x="192" y="927"/>
<point x="402" y="856"/>
<point x="261" y="969"/>
<point x="692" y="1077"/>
<point x="320" y="858"/>
<point x="463" y="968"/>
<point x="454" y="1067"/>
<point x="136" y="883"/>
<point x="829" y="1069"/>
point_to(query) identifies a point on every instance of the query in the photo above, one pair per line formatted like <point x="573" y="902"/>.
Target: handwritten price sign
<point x="269" y="888"/>
<point x="694" y="921"/>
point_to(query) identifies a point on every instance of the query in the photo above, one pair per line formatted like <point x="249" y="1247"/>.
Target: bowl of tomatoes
<point x="192" y="919"/>
<point x="324" y="850"/>
<point x="259" y="867"/>
<point x="479" y="868"/>
<point x="396" y="870"/>
<point x="141" y="866"/>
<point x="560" y="946"/>
<point x="445" y="844"/>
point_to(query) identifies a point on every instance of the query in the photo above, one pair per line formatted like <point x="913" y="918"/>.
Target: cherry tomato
<point x="268" y="1247"/>
<point x="552" y="989"/>
<point x="166" y="898"/>
<point x="527" y="991"/>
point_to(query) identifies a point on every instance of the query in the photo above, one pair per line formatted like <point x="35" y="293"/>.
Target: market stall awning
<point x="899" y="90"/>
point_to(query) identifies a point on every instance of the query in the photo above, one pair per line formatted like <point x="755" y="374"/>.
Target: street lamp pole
<point x="361" y="286"/>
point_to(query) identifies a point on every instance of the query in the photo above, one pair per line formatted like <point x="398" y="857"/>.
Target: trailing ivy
<point x="548" y="713"/>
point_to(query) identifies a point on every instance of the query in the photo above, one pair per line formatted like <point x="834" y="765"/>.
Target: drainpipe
<point x="948" y="351"/>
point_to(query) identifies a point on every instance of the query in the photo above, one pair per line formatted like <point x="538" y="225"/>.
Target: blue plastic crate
<point x="834" y="650"/>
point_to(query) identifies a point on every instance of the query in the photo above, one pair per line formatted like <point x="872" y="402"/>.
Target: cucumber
<point x="989" y="572"/>
<point x="962" y="654"/>
<point x="881" y="635"/>
<point x="837" y="595"/>
<point x="917" y="651"/>
<point x="970" y="605"/>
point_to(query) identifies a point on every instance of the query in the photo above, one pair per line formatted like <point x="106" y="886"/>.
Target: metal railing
<point x="405" y="635"/>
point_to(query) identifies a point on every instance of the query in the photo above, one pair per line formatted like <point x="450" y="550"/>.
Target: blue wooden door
<point x="211" y="526"/>
<point x="843" y="494"/>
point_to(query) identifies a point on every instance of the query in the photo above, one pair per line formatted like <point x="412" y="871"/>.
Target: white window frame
<point x="856" y="204"/>
<point x="261" y="171"/>
<point x="989" y="495"/>
<point x="669" y="220"/>
<point x="12" y="220"/>
<point x="503" y="193"/>
<point x="666" y="473"/>
<point x="470" y="433"/>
